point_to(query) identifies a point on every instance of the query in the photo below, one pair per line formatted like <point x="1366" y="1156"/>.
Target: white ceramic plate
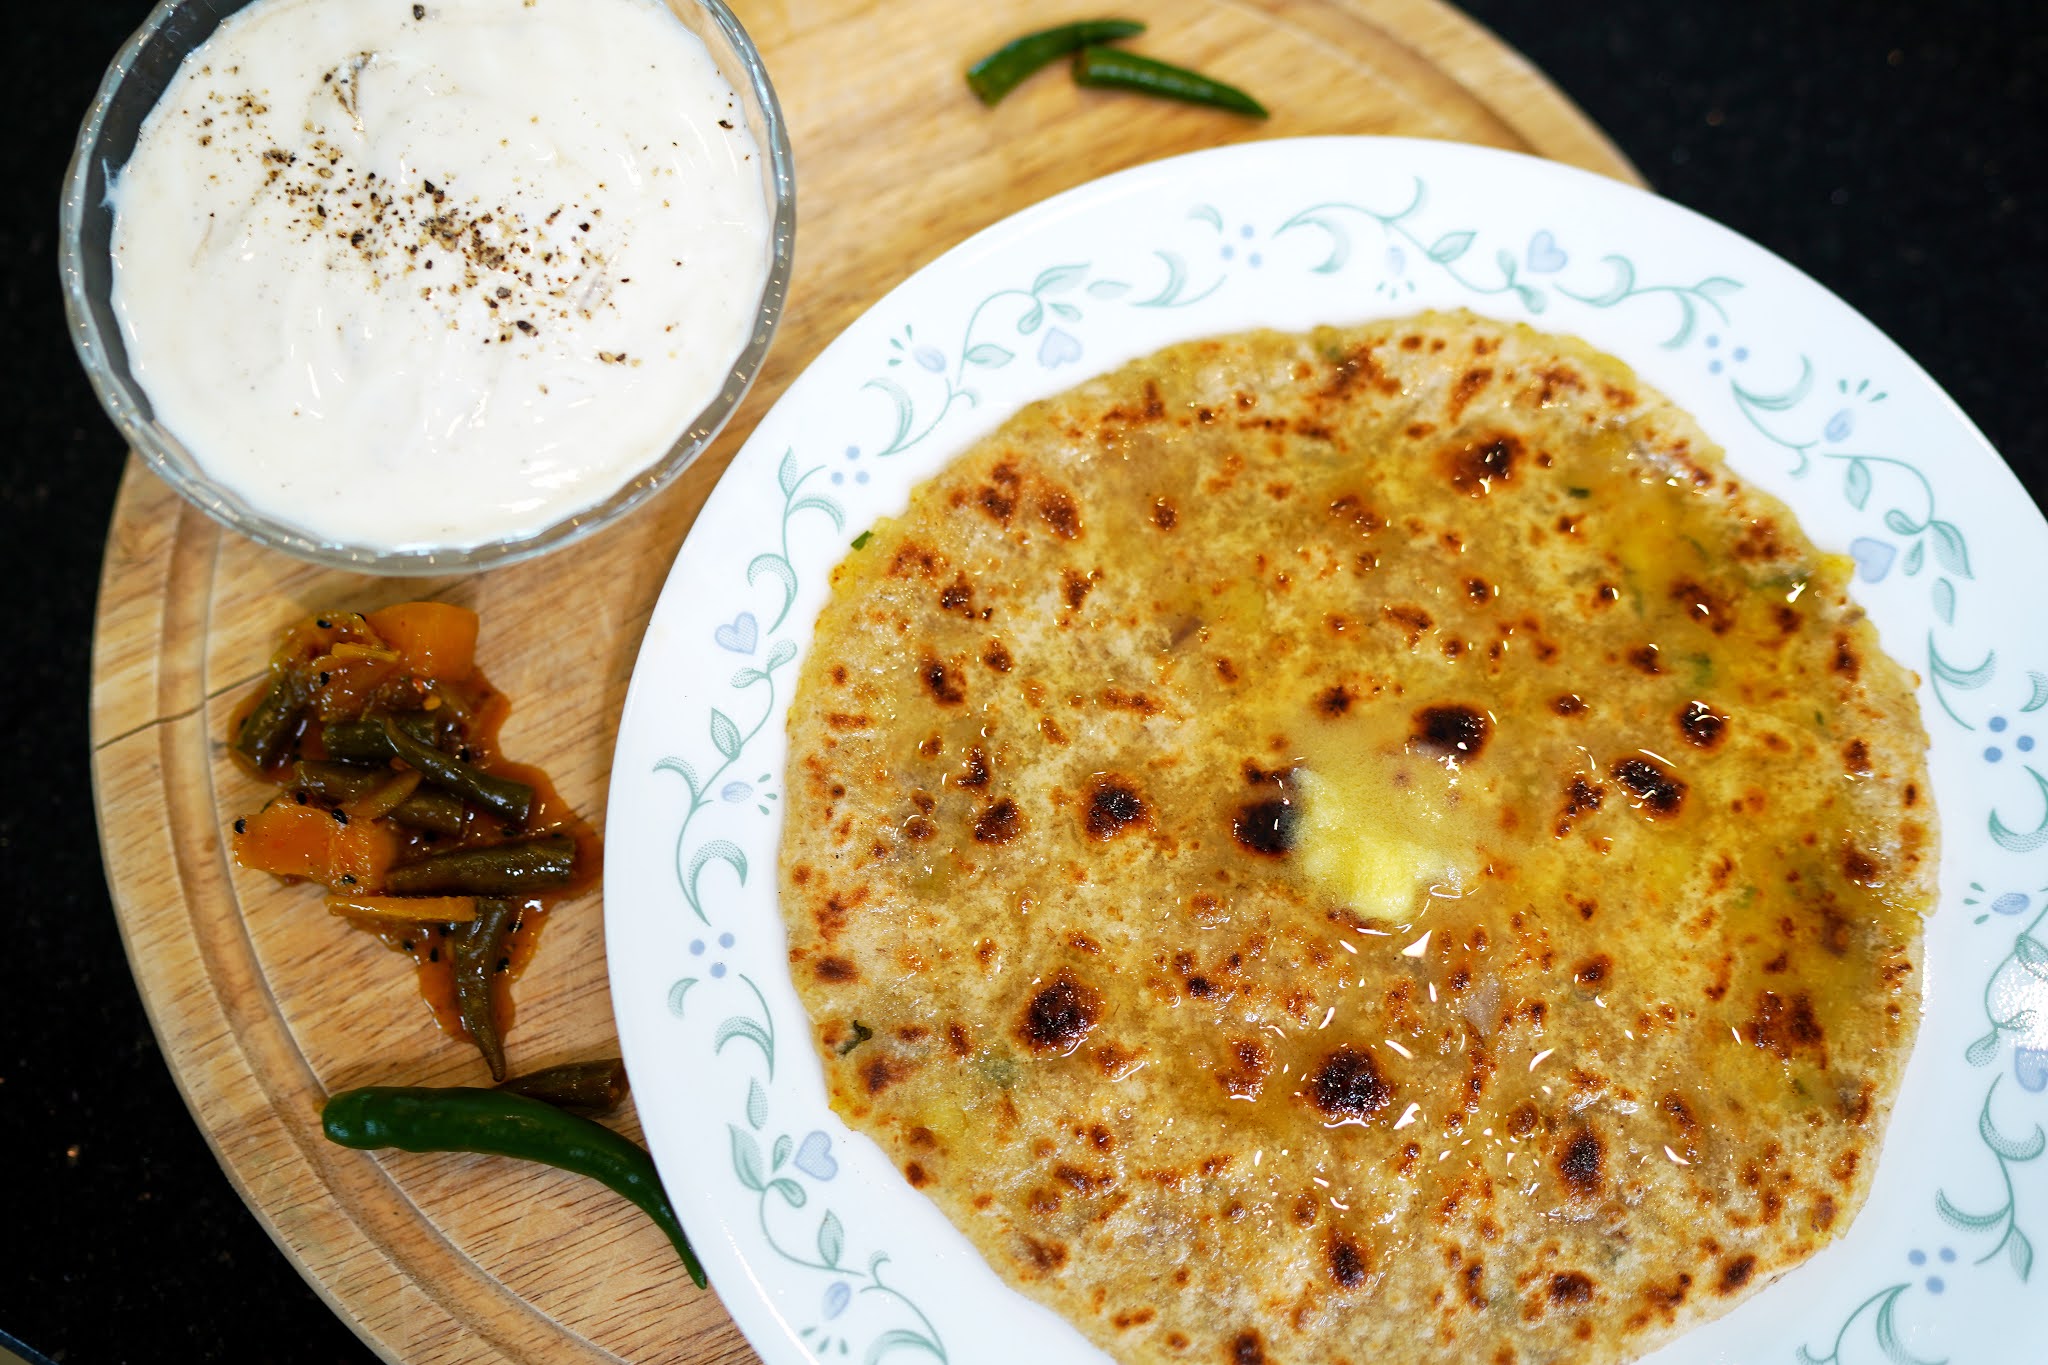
<point x="817" y="1245"/>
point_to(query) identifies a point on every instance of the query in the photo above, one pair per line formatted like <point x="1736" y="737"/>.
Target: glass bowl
<point x="134" y="82"/>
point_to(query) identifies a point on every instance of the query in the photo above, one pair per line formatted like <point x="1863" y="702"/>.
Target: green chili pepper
<point x="269" y="726"/>
<point x="1112" y="68"/>
<point x="510" y="869"/>
<point x="344" y="782"/>
<point x="495" y="1122"/>
<point x="997" y="74"/>
<point x="362" y="740"/>
<point x="479" y="960"/>
<point x="595" y="1086"/>
<point x="383" y="738"/>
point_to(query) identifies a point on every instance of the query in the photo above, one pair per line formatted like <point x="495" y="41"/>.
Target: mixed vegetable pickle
<point x="382" y="736"/>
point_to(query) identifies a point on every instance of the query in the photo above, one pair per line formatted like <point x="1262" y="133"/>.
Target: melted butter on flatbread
<point x="1383" y="830"/>
<point x="1361" y="845"/>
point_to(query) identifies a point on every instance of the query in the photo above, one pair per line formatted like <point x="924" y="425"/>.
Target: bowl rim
<point x="122" y="397"/>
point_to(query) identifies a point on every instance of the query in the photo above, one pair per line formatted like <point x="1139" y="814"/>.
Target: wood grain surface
<point x="263" y="1004"/>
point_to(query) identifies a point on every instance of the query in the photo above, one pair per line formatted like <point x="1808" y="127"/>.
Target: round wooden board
<point x="263" y="1005"/>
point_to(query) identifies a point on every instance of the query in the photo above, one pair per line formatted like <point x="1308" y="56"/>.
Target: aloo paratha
<point x="1361" y="846"/>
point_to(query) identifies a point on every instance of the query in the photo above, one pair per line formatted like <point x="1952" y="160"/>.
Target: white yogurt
<point x="412" y="275"/>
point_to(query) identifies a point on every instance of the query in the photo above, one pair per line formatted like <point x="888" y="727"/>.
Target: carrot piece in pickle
<point x="434" y="639"/>
<point x="291" y="840"/>
<point x="406" y="909"/>
<point x="345" y="680"/>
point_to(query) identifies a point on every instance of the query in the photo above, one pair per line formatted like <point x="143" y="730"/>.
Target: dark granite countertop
<point x="1887" y="147"/>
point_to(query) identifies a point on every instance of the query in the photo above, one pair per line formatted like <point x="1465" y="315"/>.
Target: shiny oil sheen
<point x="1362" y="846"/>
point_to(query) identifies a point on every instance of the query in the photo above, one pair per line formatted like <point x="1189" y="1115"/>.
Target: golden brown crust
<point x="1361" y="845"/>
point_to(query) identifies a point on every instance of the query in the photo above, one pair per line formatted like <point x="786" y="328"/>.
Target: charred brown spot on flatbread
<point x="1475" y="467"/>
<point x="958" y="596"/>
<point x="1702" y="726"/>
<point x="1704" y="606"/>
<point x="1347" y="1262"/>
<point x="999" y="823"/>
<point x="1848" y="660"/>
<point x="1580" y="797"/>
<point x="998" y="497"/>
<point x="1571" y="1287"/>
<point x="1655" y="787"/>
<point x="1122" y="699"/>
<point x="1665" y="1296"/>
<point x="1861" y="868"/>
<point x="1265" y="827"/>
<point x="879" y="1073"/>
<point x="1057" y="508"/>
<point x="1411" y="618"/>
<point x="1114" y="806"/>
<point x="1250" y="1061"/>
<point x="913" y="559"/>
<point x="944" y="682"/>
<point x="1786" y="1027"/>
<point x="1581" y="1163"/>
<point x="1356" y="369"/>
<point x="1348" y="1087"/>
<point x="1060" y="1016"/>
<point x="1045" y="1257"/>
<point x="1352" y="511"/>
<point x="1075" y="586"/>
<point x="1468" y="387"/>
<point x="1458" y="732"/>
<point x="1523" y="1119"/>
<point x="1735" y="1273"/>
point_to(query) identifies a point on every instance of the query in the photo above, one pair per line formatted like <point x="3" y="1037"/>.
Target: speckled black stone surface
<point x="1893" y="149"/>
